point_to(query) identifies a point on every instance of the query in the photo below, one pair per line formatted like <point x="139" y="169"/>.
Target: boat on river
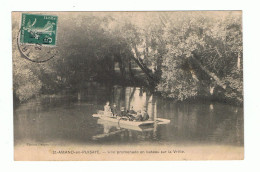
<point x="125" y="121"/>
<point x="125" y="126"/>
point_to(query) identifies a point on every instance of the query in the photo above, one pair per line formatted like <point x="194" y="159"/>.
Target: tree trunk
<point x="130" y="98"/>
<point x="131" y="74"/>
<point x="122" y="67"/>
<point x="212" y="75"/>
<point x="194" y="76"/>
<point x="144" y="68"/>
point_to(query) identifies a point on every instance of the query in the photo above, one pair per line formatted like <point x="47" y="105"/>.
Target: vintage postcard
<point x="94" y="86"/>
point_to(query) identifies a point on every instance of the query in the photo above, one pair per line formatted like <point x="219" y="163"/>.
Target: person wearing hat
<point x="138" y="116"/>
<point x="114" y="110"/>
<point x="122" y="112"/>
<point x="131" y="114"/>
<point x="145" y="115"/>
<point x="107" y="109"/>
<point x="132" y="110"/>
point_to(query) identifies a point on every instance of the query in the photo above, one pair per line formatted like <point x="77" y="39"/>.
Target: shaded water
<point x="67" y="119"/>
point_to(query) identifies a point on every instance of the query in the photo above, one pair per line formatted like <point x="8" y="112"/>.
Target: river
<point x="66" y="118"/>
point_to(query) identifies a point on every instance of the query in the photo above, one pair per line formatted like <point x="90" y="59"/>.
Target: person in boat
<point x="114" y="110"/>
<point x="138" y="116"/>
<point x="145" y="115"/>
<point x="122" y="112"/>
<point x="131" y="114"/>
<point x="107" y="109"/>
<point x="131" y="111"/>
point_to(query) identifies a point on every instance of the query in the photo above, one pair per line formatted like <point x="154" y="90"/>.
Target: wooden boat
<point x="125" y="126"/>
<point x="125" y="121"/>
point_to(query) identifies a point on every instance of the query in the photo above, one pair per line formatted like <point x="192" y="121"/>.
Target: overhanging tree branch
<point x="140" y="63"/>
<point x="212" y="75"/>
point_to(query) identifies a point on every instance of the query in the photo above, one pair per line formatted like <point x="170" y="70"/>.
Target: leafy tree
<point x="182" y="54"/>
<point x="202" y="51"/>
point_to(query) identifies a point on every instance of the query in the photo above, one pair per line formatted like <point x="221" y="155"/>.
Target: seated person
<point x="132" y="110"/>
<point x="107" y="109"/>
<point x="122" y="112"/>
<point x="145" y="115"/>
<point x="138" y="116"/>
<point x="114" y="110"/>
<point x="131" y="115"/>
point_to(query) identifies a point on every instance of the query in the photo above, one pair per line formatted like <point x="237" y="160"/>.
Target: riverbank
<point x="75" y="91"/>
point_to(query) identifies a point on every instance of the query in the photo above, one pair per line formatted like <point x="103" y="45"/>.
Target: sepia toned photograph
<point x="128" y="86"/>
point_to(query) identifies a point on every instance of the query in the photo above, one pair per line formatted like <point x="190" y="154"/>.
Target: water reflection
<point x="138" y="98"/>
<point x="113" y="128"/>
<point x="67" y="118"/>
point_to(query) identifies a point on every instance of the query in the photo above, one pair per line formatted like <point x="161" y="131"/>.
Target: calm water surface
<point x="67" y="119"/>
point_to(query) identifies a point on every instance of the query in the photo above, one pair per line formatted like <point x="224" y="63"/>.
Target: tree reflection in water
<point x="188" y="120"/>
<point x="67" y="119"/>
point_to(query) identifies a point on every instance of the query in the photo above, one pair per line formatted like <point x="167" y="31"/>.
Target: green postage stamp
<point x="38" y="29"/>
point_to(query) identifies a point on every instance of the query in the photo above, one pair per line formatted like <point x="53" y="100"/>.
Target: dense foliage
<point x="182" y="54"/>
<point x="202" y="52"/>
